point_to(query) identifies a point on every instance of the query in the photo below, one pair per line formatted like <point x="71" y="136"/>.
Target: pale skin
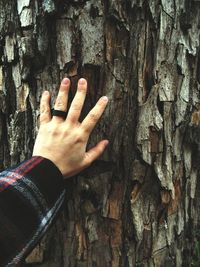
<point x="64" y="141"/>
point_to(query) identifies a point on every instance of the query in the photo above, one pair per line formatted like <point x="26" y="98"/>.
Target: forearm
<point x="30" y="197"/>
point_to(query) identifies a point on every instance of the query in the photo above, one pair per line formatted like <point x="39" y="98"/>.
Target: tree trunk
<point x="138" y="205"/>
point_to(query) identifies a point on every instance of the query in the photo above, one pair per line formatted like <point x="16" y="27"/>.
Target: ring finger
<point x="62" y="98"/>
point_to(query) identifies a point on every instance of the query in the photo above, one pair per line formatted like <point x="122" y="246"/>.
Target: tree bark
<point x="138" y="205"/>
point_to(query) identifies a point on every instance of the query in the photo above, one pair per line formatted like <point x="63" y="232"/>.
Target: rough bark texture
<point x="139" y="204"/>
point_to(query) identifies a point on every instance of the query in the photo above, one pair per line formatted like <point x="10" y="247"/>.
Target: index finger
<point x="94" y="115"/>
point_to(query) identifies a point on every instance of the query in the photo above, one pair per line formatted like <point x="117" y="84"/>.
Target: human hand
<point x="64" y="141"/>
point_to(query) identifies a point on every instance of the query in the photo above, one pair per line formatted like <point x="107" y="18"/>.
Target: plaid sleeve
<point x="31" y="195"/>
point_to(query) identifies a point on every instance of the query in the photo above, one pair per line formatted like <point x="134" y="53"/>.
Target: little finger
<point x="45" y="114"/>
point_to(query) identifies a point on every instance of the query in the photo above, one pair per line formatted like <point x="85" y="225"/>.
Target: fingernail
<point x="82" y="81"/>
<point x="105" y="98"/>
<point x="106" y="142"/>
<point x="65" y="81"/>
<point x="46" y="93"/>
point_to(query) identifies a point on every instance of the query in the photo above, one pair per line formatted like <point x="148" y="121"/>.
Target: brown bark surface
<point x="138" y="205"/>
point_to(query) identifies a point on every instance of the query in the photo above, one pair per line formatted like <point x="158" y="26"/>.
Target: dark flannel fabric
<point x="31" y="195"/>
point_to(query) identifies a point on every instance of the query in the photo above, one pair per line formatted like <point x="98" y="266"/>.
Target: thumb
<point x="95" y="152"/>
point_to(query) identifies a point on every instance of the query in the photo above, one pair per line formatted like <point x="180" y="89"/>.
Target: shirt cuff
<point x="31" y="195"/>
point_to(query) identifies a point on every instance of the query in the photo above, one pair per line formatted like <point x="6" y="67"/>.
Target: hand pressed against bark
<point x="64" y="141"/>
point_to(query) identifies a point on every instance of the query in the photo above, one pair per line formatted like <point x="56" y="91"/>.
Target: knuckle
<point x="42" y="119"/>
<point x="93" y="117"/>
<point x="79" y="136"/>
<point x="88" y="161"/>
<point x="82" y="88"/>
<point x="44" y="110"/>
<point x="100" y="150"/>
<point x="63" y="88"/>
<point x="59" y="103"/>
<point x="75" y="107"/>
<point x="88" y="127"/>
<point x="54" y="132"/>
<point x="42" y="116"/>
<point x="72" y="119"/>
<point x="53" y="129"/>
<point x="66" y="130"/>
<point x="44" y="98"/>
<point x="79" y="139"/>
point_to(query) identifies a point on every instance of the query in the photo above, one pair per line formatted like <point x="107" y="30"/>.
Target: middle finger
<point x="78" y="101"/>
